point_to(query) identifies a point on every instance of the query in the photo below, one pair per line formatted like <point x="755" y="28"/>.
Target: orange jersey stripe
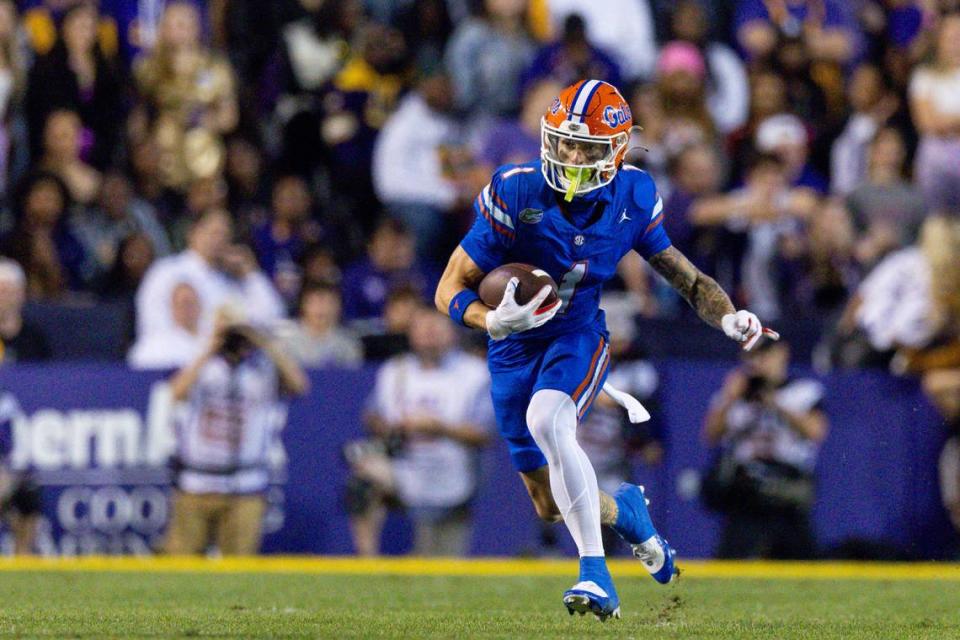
<point x="586" y="380"/>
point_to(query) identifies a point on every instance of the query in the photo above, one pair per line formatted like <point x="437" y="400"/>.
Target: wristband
<point x="459" y="303"/>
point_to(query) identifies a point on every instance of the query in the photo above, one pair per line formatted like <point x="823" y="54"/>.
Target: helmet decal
<point x="584" y="137"/>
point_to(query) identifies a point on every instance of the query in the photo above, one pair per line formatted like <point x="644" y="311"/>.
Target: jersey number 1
<point x="569" y="283"/>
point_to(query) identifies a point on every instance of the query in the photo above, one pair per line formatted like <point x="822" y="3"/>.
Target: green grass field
<point x="132" y="604"/>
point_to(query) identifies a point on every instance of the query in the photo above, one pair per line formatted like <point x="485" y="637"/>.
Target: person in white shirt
<point x="317" y="338"/>
<point x="433" y="470"/>
<point x="935" y="105"/>
<point x="410" y="172"/>
<point x="231" y="394"/>
<point x="220" y="272"/>
<point x="178" y="346"/>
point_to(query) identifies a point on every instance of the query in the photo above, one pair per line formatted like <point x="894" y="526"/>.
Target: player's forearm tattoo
<point x="700" y="290"/>
<point x="608" y="509"/>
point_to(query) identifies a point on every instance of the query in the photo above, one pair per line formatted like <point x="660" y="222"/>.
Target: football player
<point x="574" y="213"/>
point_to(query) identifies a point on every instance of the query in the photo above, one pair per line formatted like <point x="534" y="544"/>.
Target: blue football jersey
<point x="518" y="219"/>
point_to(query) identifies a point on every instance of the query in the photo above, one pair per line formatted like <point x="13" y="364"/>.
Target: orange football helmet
<point x="584" y="137"/>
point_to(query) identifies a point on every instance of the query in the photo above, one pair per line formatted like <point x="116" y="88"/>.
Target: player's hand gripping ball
<point x="522" y="296"/>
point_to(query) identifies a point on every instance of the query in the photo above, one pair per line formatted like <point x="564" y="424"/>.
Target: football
<point x="531" y="279"/>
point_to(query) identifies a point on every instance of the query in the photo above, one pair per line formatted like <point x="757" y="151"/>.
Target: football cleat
<point x="587" y="596"/>
<point x="634" y="525"/>
<point x="595" y="592"/>
<point x="657" y="556"/>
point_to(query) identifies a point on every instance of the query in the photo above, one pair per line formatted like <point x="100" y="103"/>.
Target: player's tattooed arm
<point x="702" y="292"/>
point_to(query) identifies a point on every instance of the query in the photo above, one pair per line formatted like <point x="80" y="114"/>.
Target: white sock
<point x="552" y="420"/>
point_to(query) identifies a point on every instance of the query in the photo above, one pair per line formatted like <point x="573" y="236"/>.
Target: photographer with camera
<point x="231" y="393"/>
<point x="768" y="428"/>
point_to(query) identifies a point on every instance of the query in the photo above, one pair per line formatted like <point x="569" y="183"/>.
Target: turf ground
<point x="341" y="598"/>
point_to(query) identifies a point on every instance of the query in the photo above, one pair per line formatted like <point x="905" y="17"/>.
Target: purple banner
<point x="97" y="437"/>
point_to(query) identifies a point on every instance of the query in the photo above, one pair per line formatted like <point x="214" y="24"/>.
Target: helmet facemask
<point x="574" y="162"/>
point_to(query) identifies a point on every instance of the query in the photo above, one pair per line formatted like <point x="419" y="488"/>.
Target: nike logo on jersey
<point x="624" y="217"/>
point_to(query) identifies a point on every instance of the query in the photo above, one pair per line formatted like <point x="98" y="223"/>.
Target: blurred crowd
<point x="314" y="161"/>
<point x="309" y="164"/>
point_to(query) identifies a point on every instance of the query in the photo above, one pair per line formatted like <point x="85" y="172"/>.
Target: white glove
<point x="510" y="317"/>
<point x="745" y="328"/>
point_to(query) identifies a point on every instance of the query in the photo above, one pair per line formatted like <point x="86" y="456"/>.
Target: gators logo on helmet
<point x="584" y="137"/>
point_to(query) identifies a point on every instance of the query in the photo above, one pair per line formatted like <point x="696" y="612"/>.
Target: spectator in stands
<point x="388" y="337"/>
<point x="319" y="265"/>
<point x="77" y="76"/>
<point x="317" y="339"/>
<point x="757" y="218"/>
<point x="52" y="258"/>
<point x="728" y="93"/>
<point x="486" y="57"/>
<point x="313" y="45"/>
<point x="821" y="26"/>
<point x="340" y="131"/>
<point x="433" y="474"/>
<point x="786" y="136"/>
<point x="572" y="58"/>
<point x="416" y="164"/>
<point x="247" y="187"/>
<point x="61" y="156"/>
<point x="221" y="273"/>
<point x="872" y="105"/>
<point x="935" y="104"/>
<point x="768" y="97"/>
<point x="224" y="438"/>
<point x="427" y="24"/>
<point x="145" y="174"/>
<point x="191" y="94"/>
<point x="622" y="28"/>
<point x="181" y="344"/>
<point x="681" y="76"/>
<point x="135" y="254"/>
<point x="118" y="215"/>
<point x="696" y="172"/>
<point x="908" y="302"/>
<point x="203" y="194"/>
<point x="818" y="265"/>
<point x="390" y="263"/>
<point x="518" y="140"/>
<point x="14" y="154"/>
<point x="20" y="339"/>
<point x="280" y="242"/>
<point x="768" y="428"/>
<point x="648" y="147"/>
<point x="887" y="210"/>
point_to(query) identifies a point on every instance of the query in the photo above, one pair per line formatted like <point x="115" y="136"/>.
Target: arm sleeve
<point x="651" y="237"/>
<point x="494" y="228"/>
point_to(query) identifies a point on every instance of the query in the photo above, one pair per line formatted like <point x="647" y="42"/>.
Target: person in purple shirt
<point x="826" y="28"/>
<point x="518" y="140"/>
<point x="572" y="57"/>
<point x="391" y="263"/>
<point x="281" y="241"/>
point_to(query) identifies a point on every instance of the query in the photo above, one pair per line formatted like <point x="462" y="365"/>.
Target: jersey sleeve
<point x="494" y="228"/>
<point x="651" y="238"/>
